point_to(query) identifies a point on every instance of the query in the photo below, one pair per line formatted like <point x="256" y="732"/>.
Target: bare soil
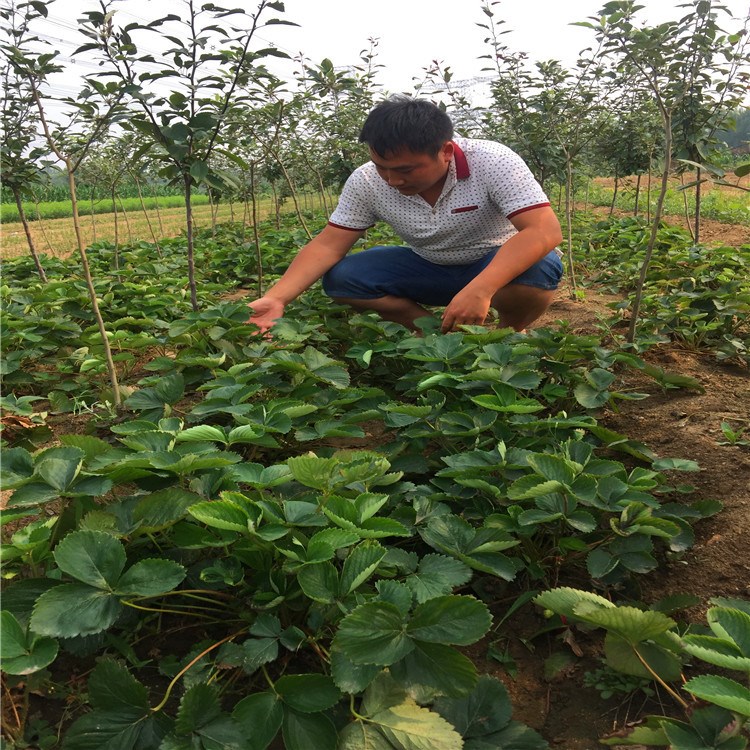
<point x="674" y="423"/>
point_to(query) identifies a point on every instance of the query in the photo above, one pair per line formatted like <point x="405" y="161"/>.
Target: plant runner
<point x="480" y="230"/>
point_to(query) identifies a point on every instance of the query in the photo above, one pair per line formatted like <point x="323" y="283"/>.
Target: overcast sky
<point x="411" y="33"/>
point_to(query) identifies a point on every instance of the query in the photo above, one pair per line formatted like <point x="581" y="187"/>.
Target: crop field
<point x="345" y="534"/>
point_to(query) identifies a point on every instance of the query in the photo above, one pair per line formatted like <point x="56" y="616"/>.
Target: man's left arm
<point x="538" y="233"/>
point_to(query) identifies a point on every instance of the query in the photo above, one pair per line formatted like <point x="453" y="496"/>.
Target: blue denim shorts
<point x="399" y="271"/>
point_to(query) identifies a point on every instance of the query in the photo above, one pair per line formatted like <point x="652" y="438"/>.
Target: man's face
<point x="413" y="173"/>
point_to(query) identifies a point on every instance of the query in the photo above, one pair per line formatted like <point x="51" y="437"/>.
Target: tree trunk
<point x="93" y="220"/>
<point x="648" y="191"/>
<point x="654" y="229"/>
<point x="117" y="231"/>
<point x="614" y="196"/>
<point x="637" y="194"/>
<point x="256" y="237"/>
<point x="145" y="213"/>
<point x="294" y="199"/>
<point x="276" y="208"/>
<point x="125" y="216"/>
<point x="697" y="233"/>
<point x="158" y="214"/>
<point x="569" y="225"/>
<point x="40" y="223"/>
<point x="190" y="244"/>
<point x="91" y="288"/>
<point x="686" y="209"/>
<point x="27" y="232"/>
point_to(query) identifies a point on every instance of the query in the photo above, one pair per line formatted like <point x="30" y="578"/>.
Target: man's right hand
<point x="264" y="312"/>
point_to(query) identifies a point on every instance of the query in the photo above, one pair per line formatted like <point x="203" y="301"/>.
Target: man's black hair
<point x="401" y="122"/>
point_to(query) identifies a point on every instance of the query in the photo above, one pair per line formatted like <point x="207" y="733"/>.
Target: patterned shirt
<point x="487" y="185"/>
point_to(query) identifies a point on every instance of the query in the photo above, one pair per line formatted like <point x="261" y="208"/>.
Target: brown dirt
<point x="674" y="423"/>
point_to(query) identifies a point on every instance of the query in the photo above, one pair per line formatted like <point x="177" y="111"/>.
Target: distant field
<point x="56" y="236"/>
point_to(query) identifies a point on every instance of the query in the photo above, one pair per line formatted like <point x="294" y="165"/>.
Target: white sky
<point x="411" y="33"/>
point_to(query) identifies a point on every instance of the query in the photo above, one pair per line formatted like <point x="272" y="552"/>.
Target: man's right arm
<point x="313" y="260"/>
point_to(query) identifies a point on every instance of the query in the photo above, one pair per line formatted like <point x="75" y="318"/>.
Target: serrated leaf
<point x="308" y="693"/>
<point x="632" y="624"/>
<point x="306" y="731"/>
<point x="312" y="471"/>
<point x="359" y="565"/>
<point x="721" y="691"/>
<point x="198" y="707"/>
<point x="435" y="669"/>
<point x="163" y="508"/>
<point x="93" y="557"/>
<point x="373" y="633"/>
<point x="486" y="710"/>
<point x="563" y="600"/>
<point x="350" y="677"/>
<point x="410" y="726"/>
<point x="451" y="620"/>
<point x="259" y="651"/>
<point x="259" y="717"/>
<point x="150" y="577"/>
<point x="221" y="514"/>
<point x="202" y="432"/>
<point x="437" y="575"/>
<point x="74" y="609"/>
<point x="361" y="736"/>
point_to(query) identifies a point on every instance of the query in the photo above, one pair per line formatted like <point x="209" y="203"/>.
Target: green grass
<point x="64" y="209"/>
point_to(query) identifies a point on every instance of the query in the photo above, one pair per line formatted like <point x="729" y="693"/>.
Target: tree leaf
<point x="93" y="557"/>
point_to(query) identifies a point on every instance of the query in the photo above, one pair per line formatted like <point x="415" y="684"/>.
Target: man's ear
<point x="446" y="151"/>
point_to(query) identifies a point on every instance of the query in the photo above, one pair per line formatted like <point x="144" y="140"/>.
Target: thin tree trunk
<point x="91" y="288"/>
<point x="686" y="208"/>
<point x="276" y="208"/>
<point x="654" y="229"/>
<point x="697" y="233"/>
<point x="231" y="210"/>
<point x="256" y="237"/>
<point x="614" y="196"/>
<point x="294" y="198"/>
<point x="637" y="194"/>
<point x="158" y="214"/>
<point x="569" y="225"/>
<point x="93" y="220"/>
<point x="117" y="231"/>
<point x="648" y="191"/>
<point x="190" y="245"/>
<point x="40" y="222"/>
<point x="127" y="221"/>
<point x="27" y="231"/>
<point x="586" y="199"/>
<point x="145" y="213"/>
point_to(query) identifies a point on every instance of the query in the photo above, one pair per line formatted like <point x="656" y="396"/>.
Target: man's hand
<point x="265" y="312"/>
<point x="468" y="307"/>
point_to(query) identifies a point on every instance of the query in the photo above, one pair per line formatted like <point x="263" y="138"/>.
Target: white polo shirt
<point x="487" y="184"/>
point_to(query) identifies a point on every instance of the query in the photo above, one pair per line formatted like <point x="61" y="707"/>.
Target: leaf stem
<point x="190" y="664"/>
<point x="683" y="703"/>
<point x="163" y="611"/>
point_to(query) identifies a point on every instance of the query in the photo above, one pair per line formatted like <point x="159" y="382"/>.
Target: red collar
<point x="462" y="165"/>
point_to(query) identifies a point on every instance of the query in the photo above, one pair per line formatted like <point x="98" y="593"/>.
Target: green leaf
<point x="350" y="677"/>
<point x="259" y="717"/>
<point x="361" y="736"/>
<point x="202" y="432"/>
<point x="221" y="514"/>
<point x="412" y="727"/>
<point x="374" y="633"/>
<point x="163" y="508"/>
<point x="17" y="466"/>
<point x="307" y="731"/>
<point x="721" y="691"/>
<point x="112" y="687"/>
<point x="93" y="557"/>
<point x="198" y="170"/>
<point x="437" y="575"/>
<point x="552" y="468"/>
<point x="259" y="651"/>
<point x="312" y="471"/>
<point x="359" y="565"/>
<point x="452" y="620"/>
<point x="563" y="600"/>
<point x="74" y="609"/>
<point x="59" y="467"/>
<point x="23" y="653"/>
<point x="150" y="577"/>
<point x="308" y="693"/>
<point x="319" y="582"/>
<point x="733" y="624"/>
<point x="634" y="625"/>
<point x="629" y="658"/>
<point x="435" y="669"/>
<point x="486" y="710"/>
